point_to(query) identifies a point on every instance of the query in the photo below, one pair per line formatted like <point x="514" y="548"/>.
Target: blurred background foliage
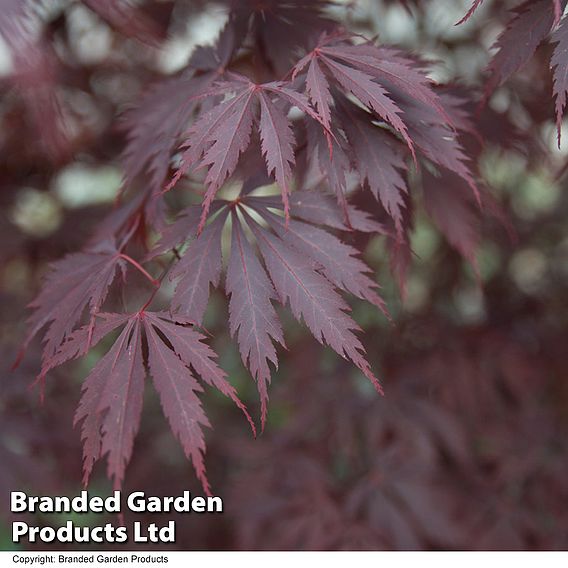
<point x="468" y="447"/>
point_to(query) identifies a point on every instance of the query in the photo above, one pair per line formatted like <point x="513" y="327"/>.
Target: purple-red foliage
<point x="286" y="97"/>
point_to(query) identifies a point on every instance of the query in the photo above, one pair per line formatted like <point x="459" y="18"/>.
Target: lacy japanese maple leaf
<point x="154" y="125"/>
<point x="440" y="145"/>
<point x="400" y="101"/>
<point x="252" y="316"/>
<point x="77" y="281"/>
<point x="354" y="71"/>
<point x="222" y="134"/>
<point x="379" y="159"/>
<point x="337" y="261"/>
<point x="299" y="263"/>
<point x="531" y="23"/>
<point x="111" y="403"/>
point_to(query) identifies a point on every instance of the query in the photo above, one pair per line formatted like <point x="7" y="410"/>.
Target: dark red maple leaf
<point x="308" y="265"/>
<point x="222" y="134"/>
<point x="312" y="298"/>
<point x="400" y="100"/>
<point x="439" y="144"/>
<point x="350" y="72"/>
<point x="111" y="403"/>
<point x="252" y="317"/>
<point x="78" y="281"/>
<point x="333" y="165"/>
<point x="337" y="261"/>
<point x="199" y="268"/>
<point x="154" y="125"/>
<point x="530" y="25"/>
<point x="379" y="159"/>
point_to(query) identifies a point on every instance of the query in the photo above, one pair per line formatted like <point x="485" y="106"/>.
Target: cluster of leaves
<point x="530" y="24"/>
<point x="475" y="462"/>
<point x="285" y="98"/>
